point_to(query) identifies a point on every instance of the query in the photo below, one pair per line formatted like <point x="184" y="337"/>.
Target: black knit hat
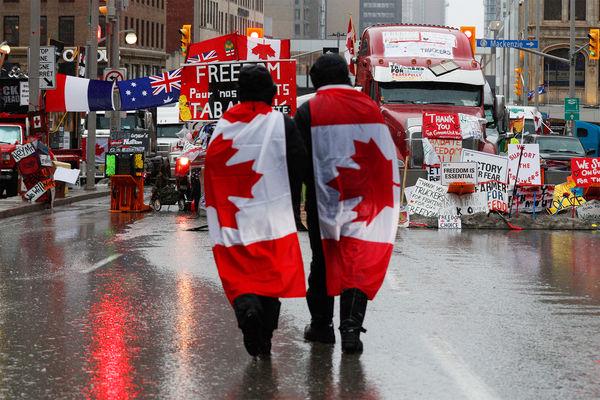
<point x="329" y="69"/>
<point x="256" y="84"/>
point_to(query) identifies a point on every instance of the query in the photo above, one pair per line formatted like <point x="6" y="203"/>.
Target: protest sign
<point x="529" y="171"/>
<point x="535" y="199"/>
<point x="128" y="142"/>
<point x="66" y="175"/>
<point x="586" y="171"/>
<point x="564" y="199"/>
<point x="467" y="204"/>
<point x="589" y="210"/>
<point x="427" y="198"/>
<point x="437" y="151"/>
<point x="471" y="126"/>
<point x="39" y="189"/>
<point x="433" y="173"/>
<point x="449" y="222"/>
<point x="208" y="90"/>
<point x="441" y="126"/>
<point x="490" y="166"/>
<point x="455" y="172"/>
<point x="495" y="195"/>
<point x="23" y="151"/>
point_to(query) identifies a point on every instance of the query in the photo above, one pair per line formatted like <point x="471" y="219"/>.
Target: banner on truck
<point x="399" y="44"/>
<point x="529" y="171"/>
<point x="208" y="90"/>
<point x="585" y="171"/>
<point x="490" y="166"/>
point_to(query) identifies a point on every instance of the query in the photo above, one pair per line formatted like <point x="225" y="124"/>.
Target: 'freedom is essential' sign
<point x="455" y="172"/>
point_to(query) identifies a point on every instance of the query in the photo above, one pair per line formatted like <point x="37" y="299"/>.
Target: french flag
<point x="79" y="94"/>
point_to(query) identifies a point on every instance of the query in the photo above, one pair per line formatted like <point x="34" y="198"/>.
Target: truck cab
<point x="167" y="128"/>
<point x="588" y="134"/>
<point x="406" y="70"/>
<point x="12" y="134"/>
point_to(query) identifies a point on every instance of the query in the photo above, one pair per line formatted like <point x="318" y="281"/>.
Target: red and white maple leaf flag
<point x="249" y="205"/>
<point x="260" y="49"/>
<point x="350" y="46"/>
<point x="358" y="195"/>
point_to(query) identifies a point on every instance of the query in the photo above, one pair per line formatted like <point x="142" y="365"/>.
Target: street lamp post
<point x="34" y="55"/>
<point x="92" y="73"/>
<point x="113" y="61"/>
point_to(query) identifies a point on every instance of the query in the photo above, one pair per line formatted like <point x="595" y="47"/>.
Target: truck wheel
<point x="156" y="205"/>
<point x="12" y="187"/>
<point x="181" y="204"/>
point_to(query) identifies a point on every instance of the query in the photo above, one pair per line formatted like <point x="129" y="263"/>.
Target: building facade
<point x="431" y="12"/>
<point x="67" y="21"/>
<point x="373" y="12"/>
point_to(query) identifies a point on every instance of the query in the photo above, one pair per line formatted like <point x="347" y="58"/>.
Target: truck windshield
<point x="10" y="134"/>
<point x="455" y="94"/>
<point x="129" y="122"/>
<point x="168" y="131"/>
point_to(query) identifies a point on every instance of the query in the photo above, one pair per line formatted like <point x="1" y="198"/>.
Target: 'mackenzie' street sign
<point x="515" y="44"/>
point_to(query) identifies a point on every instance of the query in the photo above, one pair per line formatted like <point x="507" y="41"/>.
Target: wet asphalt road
<point x="111" y="306"/>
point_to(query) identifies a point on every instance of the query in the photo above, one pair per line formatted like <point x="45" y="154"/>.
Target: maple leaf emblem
<point x="373" y="181"/>
<point x="264" y="51"/>
<point x="227" y="180"/>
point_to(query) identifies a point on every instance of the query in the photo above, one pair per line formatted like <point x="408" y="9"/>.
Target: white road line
<point x="101" y="263"/>
<point x="469" y="383"/>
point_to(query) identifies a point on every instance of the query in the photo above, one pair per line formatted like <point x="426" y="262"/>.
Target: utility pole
<point x="526" y="72"/>
<point x="538" y="16"/>
<point x="196" y="25"/>
<point x="92" y="73"/>
<point x="572" y="56"/>
<point x="34" y="55"/>
<point x="113" y="61"/>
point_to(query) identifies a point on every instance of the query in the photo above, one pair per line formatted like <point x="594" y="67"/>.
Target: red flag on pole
<point x="350" y="43"/>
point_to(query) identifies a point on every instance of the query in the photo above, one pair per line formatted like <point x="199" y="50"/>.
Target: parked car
<point x="556" y="151"/>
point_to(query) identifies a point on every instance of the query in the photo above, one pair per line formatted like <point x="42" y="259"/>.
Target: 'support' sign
<point x="586" y="171"/>
<point x="490" y="167"/>
<point x="211" y="89"/>
<point x="529" y="171"/>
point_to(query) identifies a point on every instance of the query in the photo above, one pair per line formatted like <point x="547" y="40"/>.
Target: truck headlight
<point x="5" y="156"/>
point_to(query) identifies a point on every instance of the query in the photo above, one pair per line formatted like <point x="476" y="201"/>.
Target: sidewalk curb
<point x="29" y="208"/>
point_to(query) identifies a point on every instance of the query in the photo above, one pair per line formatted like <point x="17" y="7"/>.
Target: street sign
<point x="515" y="44"/>
<point x="571" y="108"/>
<point x="330" y="50"/>
<point x="47" y="72"/>
<point x="115" y="74"/>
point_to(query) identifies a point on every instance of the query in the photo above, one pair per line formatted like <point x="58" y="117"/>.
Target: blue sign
<point x="515" y="44"/>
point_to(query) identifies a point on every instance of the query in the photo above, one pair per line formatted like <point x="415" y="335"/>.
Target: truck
<point x="167" y="128"/>
<point x="412" y="69"/>
<point x="13" y="131"/>
<point x="533" y="118"/>
<point x="588" y="134"/>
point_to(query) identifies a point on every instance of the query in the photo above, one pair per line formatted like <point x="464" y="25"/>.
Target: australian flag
<point x="150" y="91"/>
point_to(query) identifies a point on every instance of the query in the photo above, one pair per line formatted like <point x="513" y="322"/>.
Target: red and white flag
<point x="263" y="49"/>
<point x="358" y="195"/>
<point x="350" y="45"/>
<point x="249" y="205"/>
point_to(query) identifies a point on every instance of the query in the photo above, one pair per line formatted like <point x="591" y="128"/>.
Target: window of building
<point x="556" y="73"/>
<point x="152" y="37"/>
<point x="162" y="36"/>
<point x="43" y="30"/>
<point x="580" y="10"/>
<point x="11" y="30"/>
<point x="553" y="10"/>
<point x="11" y="1"/>
<point x="66" y="30"/>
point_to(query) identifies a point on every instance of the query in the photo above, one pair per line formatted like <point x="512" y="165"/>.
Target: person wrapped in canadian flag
<point x="253" y="168"/>
<point x="352" y="202"/>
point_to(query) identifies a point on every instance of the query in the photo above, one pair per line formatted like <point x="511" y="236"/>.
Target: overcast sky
<point x="465" y="12"/>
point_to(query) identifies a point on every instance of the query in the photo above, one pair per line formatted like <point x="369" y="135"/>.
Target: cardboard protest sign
<point x="433" y="173"/>
<point x="458" y="172"/>
<point x="449" y="222"/>
<point x="490" y="167"/>
<point x="66" y="175"/>
<point x="427" y="198"/>
<point x="532" y="199"/>
<point x="208" y="90"/>
<point x="39" y="189"/>
<point x="471" y="126"/>
<point x="586" y="171"/>
<point x="441" y="126"/>
<point x="495" y="194"/>
<point x="437" y="151"/>
<point x="564" y="198"/>
<point x="467" y="204"/>
<point x="529" y="171"/>
<point x="589" y="210"/>
<point x="23" y="151"/>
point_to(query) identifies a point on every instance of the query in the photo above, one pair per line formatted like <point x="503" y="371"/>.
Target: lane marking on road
<point x="469" y="383"/>
<point x="101" y="263"/>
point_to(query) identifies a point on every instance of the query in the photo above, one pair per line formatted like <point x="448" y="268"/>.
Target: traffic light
<point x="254" y="33"/>
<point x="518" y="82"/>
<point x="594" y="36"/>
<point x="469" y="32"/>
<point x="186" y="38"/>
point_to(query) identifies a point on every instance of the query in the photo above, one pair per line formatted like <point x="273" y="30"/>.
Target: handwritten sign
<point x="467" y="204"/>
<point x="490" y="166"/>
<point x="427" y="198"/>
<point x="441" y="126"/>
<point x="454" y="172"/>
<point x="590" y="210"/>
<point x="39" y="189"/>
<point x="23" y="151"/>
<point x="586" y="171"/>
<point x="529" y="171"/>
<point x="449" y="222"/>
<point x="495" y="194"/>
<point x="437" y="151"/>
<point x="532" y="199"/>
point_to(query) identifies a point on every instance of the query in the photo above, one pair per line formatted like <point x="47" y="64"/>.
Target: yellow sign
<point x="564" y="199"/>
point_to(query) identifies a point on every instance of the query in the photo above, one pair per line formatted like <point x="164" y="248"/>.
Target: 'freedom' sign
<point x="585" y="171"/>
<point x="208" y="90"/>
<point x="441" y="126"/>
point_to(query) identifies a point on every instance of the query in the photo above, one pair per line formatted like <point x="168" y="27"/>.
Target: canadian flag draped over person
<point x="356" y="180"/>
<point x="249" y="205"/>
<point x="350" y="45"/>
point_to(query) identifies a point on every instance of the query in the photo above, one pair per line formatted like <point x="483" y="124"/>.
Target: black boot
<point x="272" y="308"/>
<point x="353" y="305"/>
<point x="250" y="317"/>
<point x="320" y="306"/>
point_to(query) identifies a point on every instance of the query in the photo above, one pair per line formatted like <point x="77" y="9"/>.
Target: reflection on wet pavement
<point x="116" y="306"/>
